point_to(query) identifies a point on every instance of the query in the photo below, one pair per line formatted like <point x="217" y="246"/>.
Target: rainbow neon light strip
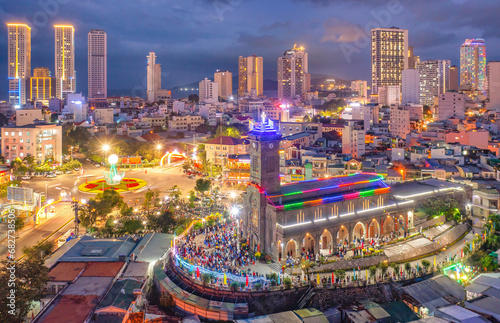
<point x="332" y="199"/>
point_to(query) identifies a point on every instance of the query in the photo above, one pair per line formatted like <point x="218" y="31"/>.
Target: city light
<point x="105" y="147"/>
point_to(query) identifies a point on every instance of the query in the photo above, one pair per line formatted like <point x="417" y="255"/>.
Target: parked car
<point x="51" y="175"/>
<point x="58" y="172"/>
<point x="68" y="172"/>
<point x="26" y="177"/>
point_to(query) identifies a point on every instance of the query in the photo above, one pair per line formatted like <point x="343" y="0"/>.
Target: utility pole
<point x="77" y="221"/>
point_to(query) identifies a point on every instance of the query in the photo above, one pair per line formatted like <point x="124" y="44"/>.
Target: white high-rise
<point x="65" y="60"/>
<point x="208" y="91"/>
<point x="389" y="56"/>
<point x="434" y="79"/>
<point x="410" y="86"/>
<point x="353" y="139"/>
<point x="154" y="77"/>
<point x="97" y="60"/>
<point x="361" y="87"/>
<point x="19" y="62"/>
<point x="293" y="78"/>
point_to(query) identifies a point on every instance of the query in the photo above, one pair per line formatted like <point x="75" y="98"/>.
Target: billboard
<point x="20" y="194"/>
<point x="131" y="160"/>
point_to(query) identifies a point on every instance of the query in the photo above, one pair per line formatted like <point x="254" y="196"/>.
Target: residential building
<point x="250" y="75"/>
<point x="413" y="60"/>
<point x="43" y="141"/>
<point x="361" y="87"/>
<point x="478" y="138"/>
<point x="19" y="62"/>
<point x="454" y="78"/>
<point x="434" y="80"/>
<point x="104" y="115"/>
<point x="209" y="112"/>
<point x="185" y="123"/>
<point x="41" y="87"/>
<point x="97" y="67"/>
<point x="473" y="66"/>
<point x="76" y="108"/>
<point x="410" y="84"/>
<point x="389" y="95"/>
<point x="224" y="79"/>
<point x="353" y="139"/>
<point x="208" y="91"/>
<point x="293" y="78"/>
<point x="494" y="85"/>
<point x="154" y="90"/>
<point x="30" y="116"/>
<point x="389" y="56"/>
<point x="65" y="61"/>
<point x="219" y="148"/>
<point x="451" y="104"/>
<point x="399" y="121"/>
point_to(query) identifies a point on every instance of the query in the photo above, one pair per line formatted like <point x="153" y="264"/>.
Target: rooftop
<point x="92" y="249"/>
<point x="80" y="308"/>
<point x="152" y="247"/>
<point x="85" y="286"/>
<point x="225" y="140"/>
<point x="121" y="294"/>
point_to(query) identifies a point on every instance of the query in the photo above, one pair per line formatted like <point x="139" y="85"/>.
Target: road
<point x="31" y="236"/>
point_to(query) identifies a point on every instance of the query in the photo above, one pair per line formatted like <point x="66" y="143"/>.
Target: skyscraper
<point x="454" y="72"/>
<point x="97" y="60"/>
<point x="494" y="85"/>
<point x="224" y="79"/>
<point x="434" y="79"/>
<point x="41" y="86"/>
<point x="19" y="62"/>
<point x="293" y="78"/>
<point x="250" y="75"/>
<point x="473" y="66"/>
<point x="154" y="90"/>
<point x="65" y="60"/>
<point x="389" y="56"/>
<point x="410" y="86"/>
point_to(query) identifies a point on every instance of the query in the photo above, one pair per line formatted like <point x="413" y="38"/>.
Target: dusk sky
<point x="193" y="38"/>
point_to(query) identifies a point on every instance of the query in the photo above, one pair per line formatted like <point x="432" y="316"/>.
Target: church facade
<point x="321" y="214"/>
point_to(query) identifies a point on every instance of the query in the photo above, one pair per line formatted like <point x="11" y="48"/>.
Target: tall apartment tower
<point x="410" y="87"/>
<point x="97" y="60"/>
<point x="389" y="56"/>
<point x="361" y="87"/>
<point x="494" y="85"/>
<point x="225" y="81"/>
<point x="65" y="61"/>
<point x="473" y="66"/>
<point x="413" y="60"/>
<point x="454" y="73"/>
<point x="250" y="75"/>
<point x="154" y="77"/>
<point x="434" y="80"/>
<point x="19" y="62"/>
<point x="208" y="91"/>
<point x="41" y="86"/>
<point x="293" y="75"/>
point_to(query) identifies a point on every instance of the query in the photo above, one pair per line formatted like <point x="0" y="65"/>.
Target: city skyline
<point x="332" y="34"/>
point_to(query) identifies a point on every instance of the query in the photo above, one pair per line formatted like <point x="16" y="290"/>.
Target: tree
<point x="307" y="118"/>
<point x="28" y="283"/>
<point x="426" y="264"/>
<point x="408" y="269"/>
<point x="126" y="211"/>
<point x="175" y="193"/>
<point x="488" y="263"/>
<point x="165" y="222"/>
<point x="187" y="165"/>
<point x="383" y="268"/>
<point x="396" y="268"/>
<point x="202" y="185"/>
<point x="340" y="274"/>
<point x="493" y="242"/>
<point x="205" y="278"/>
<point x="19" y="223"/>
<point x="373" y="272"/>
<point x="287" y="282"/>
<point x="39" y="252"/>
<point x="151" y="197"/>
<point x="306" y="266"/>
<point x="193" y="98"/>
<point x="132" y="226"/>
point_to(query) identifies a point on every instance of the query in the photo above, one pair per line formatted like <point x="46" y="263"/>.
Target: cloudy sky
<point x="193" y="38"/>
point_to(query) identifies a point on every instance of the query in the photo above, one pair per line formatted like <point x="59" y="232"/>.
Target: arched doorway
<point x="308" y="244"/>
<point x="401" y="225"/>
<point x="388" y="225"/>
<point x="291" y="248"/>
<point x="373" y="229"/>
<point x="359" y="231"/>
<point x="325" y="242"/>
<point x="342" y="236"/>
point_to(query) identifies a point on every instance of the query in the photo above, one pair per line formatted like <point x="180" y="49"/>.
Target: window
<point x="6" y="133"/>
<point x="20" y="133"/>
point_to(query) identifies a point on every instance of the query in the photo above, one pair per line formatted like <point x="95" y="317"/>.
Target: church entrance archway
<point x="326" y="242"/>
<point x="342" y="236"/>
<point x="388" y="225"/>
<point x="359" y="231"/>
<point x="308" y="244"/>
<point x="373" y="229"/>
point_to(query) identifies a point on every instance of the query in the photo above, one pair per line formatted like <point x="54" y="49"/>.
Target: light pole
<point x="158" y="147"/>
<point x="71" y="152"/>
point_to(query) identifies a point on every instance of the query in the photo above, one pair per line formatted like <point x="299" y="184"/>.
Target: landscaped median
<point x="126" y="185"/>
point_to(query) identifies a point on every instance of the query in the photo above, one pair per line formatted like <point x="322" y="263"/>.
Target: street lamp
<point x="105" y="147"/>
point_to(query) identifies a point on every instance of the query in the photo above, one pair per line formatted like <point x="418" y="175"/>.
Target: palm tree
<point x="202" y="185"/>
<point x="408" y="269"/>
<point x="306" y="265"/>
<point x="383" y="268"/>
<point x="426" y="264"/>
<point x="373" y="272"/>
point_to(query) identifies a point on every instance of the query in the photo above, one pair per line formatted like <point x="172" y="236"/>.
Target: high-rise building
<point x="353" y="139"/>
<point x="360" y="87"/>
<point x="413" y="60"/>
<point x="97" y="68"/>
<point x="65" y="61"/>
<point x="454" y="72"/>
<point x="473" y="66"/>
<point x="389" y="95"/>
<point x="225" y="81"/>
<point x="399" y="121"/>
<point x="434" y="79"/>
<point x="41" y="87"/>
<point x="389" y="56"/>
<point x="154" y="90"/>
<point x="208" y="91"/>
<point x="293" y="78"/>
<point x="19" y="62"/>
<point x="494" y="85"/>
<point x="410" y="87"/>
<point x="250" y="75"/>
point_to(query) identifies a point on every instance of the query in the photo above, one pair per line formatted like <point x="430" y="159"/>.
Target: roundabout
<point x="126" y="185"/>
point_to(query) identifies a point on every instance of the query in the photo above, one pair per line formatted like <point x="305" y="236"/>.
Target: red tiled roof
<point x="102" y="269"/>
<point x="152" y="137"/>
<point x="244" y="118"/>
<point x="225" y="140"/>
<point x="72" y="309"/>
<point x="66" y="271"/>
<point x="137" y="317"/>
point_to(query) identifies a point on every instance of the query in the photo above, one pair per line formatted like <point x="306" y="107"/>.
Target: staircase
<point x="305" y="298"/>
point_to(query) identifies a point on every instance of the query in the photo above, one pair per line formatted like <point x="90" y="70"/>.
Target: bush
<point x="234" y="285"/>
<point x="287" y="282"/>
<point x="257" y="286"/>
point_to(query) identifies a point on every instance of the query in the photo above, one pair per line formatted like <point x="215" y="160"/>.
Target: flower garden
<point x="126" y="185"/>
